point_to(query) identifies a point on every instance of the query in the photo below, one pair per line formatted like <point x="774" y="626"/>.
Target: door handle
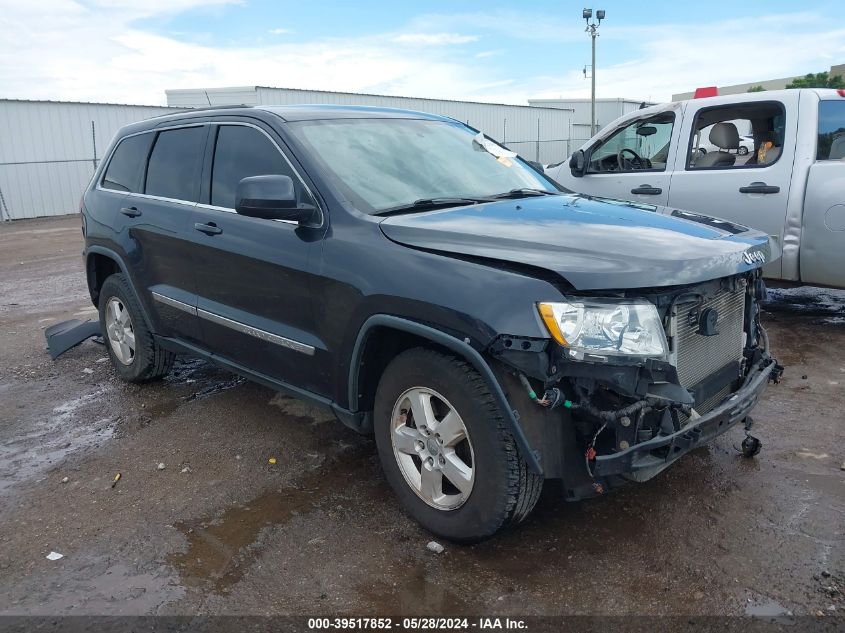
<point x="209" y="229"/>
<point x="759" y="187"/>
<point x="132" y="212"/>
<point x="647" y="190"/>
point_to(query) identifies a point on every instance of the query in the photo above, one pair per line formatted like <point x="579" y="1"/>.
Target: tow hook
<point x="750" y="445"/>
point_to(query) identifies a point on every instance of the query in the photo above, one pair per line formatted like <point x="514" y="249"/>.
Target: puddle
<point x="806" y="301"/>
<point x="220" y="550"/>
<point x="766" y="608"/>
<point x="419" y="592"/>
<point x="70" y="427"/>
<point x="116" y="590"/>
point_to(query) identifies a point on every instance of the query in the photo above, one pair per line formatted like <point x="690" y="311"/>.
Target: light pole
<point x="592" y="29"/>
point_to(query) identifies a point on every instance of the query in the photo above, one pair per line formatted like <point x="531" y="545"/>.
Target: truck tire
<point x="132" y="348"/>
<point x="458" y="472"/>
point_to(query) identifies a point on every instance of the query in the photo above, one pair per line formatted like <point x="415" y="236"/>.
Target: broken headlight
<point x="611" y="328"/>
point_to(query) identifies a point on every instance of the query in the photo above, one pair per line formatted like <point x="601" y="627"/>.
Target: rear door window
<point x="737" y="135"/>
<point x="831" y="144"/>
<point x="241" y="152"/>
<point x="173" y="171"/>
<point x="125" y="169"/>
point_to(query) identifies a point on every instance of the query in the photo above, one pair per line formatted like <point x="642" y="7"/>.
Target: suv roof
<point x="284" y="112"/>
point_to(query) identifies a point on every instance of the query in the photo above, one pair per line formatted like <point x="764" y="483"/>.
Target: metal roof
<point x="357" y="94"/>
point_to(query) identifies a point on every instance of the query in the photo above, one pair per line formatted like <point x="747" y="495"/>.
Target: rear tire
<point x="131" y="345"/>
<point x="742" y="151"/>
<point x="494" y="487"/>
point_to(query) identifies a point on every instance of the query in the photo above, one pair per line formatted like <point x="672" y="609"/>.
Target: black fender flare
<point x="460" y="347"/>
<point x="102" y="250"/>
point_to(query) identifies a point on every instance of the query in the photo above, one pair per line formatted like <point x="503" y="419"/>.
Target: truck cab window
<point x="640" y="145"/>
<point x="831" y="142"/>
<point x="736" y="136"/>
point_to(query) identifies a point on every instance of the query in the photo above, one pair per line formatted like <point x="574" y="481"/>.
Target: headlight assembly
<point x="606" y="328"/>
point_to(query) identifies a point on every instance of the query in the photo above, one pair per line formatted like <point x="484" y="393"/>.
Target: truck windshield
<point x="384" y="164"/>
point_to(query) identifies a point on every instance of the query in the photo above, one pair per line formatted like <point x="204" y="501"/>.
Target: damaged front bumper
<point x="652" y="456"/>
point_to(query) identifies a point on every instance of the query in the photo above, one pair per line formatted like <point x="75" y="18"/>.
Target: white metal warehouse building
<point x="607" y="110"/>
<point x="49" y="149"/>
<point x="537" y="133"/>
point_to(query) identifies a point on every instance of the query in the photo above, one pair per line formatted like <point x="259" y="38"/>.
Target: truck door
<point x="822" y="251"/>
<point x="631" y="163"/>
<point x="751" y="189"/>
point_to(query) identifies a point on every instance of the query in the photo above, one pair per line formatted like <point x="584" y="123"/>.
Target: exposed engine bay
<point x="628" y="419"/>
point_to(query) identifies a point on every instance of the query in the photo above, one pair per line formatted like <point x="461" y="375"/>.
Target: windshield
<point x="381" y="164"/>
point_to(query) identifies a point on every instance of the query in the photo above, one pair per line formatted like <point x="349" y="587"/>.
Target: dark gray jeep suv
<point x="429" y="286"/>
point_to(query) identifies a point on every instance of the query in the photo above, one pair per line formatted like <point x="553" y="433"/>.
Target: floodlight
<point x="588" y="13"/>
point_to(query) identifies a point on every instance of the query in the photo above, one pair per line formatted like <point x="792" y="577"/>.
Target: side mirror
<point x="272" y="198"/>
<point x="578" y="163"/>
<point x="535" y="166"/>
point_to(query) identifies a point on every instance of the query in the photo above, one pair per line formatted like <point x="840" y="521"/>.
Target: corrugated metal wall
<point x="49" y="149"/>
<point x="541" y="134"/>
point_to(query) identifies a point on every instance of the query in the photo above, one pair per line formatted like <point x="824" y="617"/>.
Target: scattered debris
<point x="161" y="466"/>
<point x="65" y="480"/>
<point x="434" y="546"/>
<point x="272" y="460"/>
<point x="804" y="377"/>
<point x="238" y="457"/>
<point x="101" y="360"/>
<point x="825" y="573"/>
<point x="842" y="467"/>
<point x="186" y="469"/>
<point x="115" y="480"/>
<point x="832" y="608"/>
<point x="54" y="556"/>
<point x="87" y="370"/>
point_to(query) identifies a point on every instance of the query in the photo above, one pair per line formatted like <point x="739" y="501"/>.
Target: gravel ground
<point x="220" y="530"/>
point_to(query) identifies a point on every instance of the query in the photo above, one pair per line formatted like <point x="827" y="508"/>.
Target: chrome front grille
<point x="697" y="356"/>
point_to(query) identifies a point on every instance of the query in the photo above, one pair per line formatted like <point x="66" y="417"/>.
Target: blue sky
<point x="131" y="51"/>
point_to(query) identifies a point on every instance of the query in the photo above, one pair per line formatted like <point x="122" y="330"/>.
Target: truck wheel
<point x="132" y="348"/>
<point x="446" y="450"/>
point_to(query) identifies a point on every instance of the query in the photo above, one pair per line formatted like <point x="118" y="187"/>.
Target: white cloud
<point x="63" y="49"/>
<point x="670" y="59"/>
<point x="279" y="31"/>
<point x="433" y="39"/>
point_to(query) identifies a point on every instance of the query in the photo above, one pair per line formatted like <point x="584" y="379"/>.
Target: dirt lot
<point x="220" y="530"/>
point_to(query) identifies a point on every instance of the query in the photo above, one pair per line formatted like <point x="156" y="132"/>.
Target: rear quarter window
<point x="831" y="143"/>
<point x="126" y="166"/>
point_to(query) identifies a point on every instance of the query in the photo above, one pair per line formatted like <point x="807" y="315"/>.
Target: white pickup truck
<point x="792" y="185"/>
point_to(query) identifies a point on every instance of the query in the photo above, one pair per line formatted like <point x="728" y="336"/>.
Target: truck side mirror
<point x="578" y="163"/>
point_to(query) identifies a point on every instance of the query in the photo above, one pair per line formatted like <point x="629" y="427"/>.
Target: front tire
<point x="446" y="450"/>
<point x="742" y="151"/>
<point x="131" y="345"/>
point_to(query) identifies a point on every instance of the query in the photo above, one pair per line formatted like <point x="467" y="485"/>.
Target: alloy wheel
<point x="120" y="331"/>
<point x="432" y="448"/>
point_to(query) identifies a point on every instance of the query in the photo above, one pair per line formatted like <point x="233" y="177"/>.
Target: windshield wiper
<point x="428" y="204"/>
<point x="524" y="193"/>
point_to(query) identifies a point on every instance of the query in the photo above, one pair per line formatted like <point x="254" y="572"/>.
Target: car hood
<point x="593" y="243"/>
